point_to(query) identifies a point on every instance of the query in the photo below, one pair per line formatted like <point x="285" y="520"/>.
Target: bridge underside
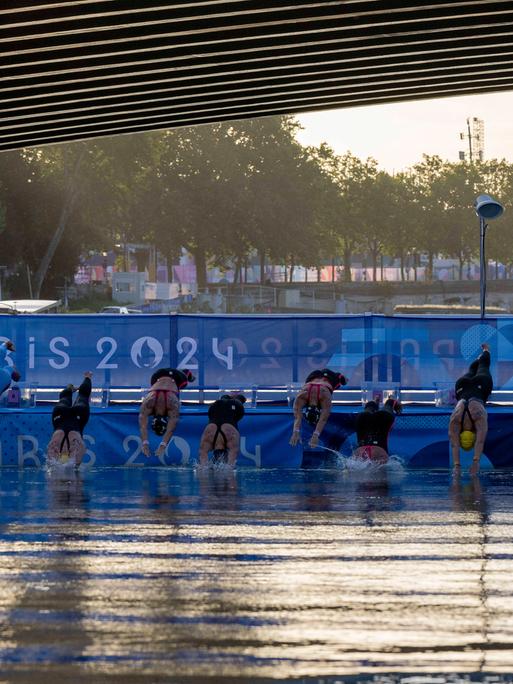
<point x="75" y="70"/>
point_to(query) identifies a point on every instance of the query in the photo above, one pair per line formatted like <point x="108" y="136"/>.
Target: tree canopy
<point x="227" y="191"/>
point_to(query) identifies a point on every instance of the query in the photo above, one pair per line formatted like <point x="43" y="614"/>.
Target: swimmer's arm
<point x="323" y="419"/>
<point x="143" y="428"/>
<point x="454" y="437"/>
<point x="172" y="420"/>
<point x="481" y="424"/>
<point x="299" y="405"/>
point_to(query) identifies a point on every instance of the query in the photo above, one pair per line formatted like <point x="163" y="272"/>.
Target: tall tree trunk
<point x="461" y="264"/>
<point x="245" y="271"/>
<point x="292" y="267"/>
<point x="332" y="269"/>
<point x="236" y="273"/>
<point x="70" y="197"/>
<point x="402" y="266"/>
<point x="262" y="266"/>
<point x="318" y="274"/>
<point x="347" y="263"/>
<point x="374" y="265"/>
<point x="200" y="260"/>
<point x="430" y="267"/>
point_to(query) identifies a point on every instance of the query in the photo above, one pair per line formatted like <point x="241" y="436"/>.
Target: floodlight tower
<point x="475" y="137"/>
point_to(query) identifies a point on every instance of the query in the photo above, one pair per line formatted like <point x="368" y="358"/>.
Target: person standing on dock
<point x="162" y="404"/>
<point x="373" y="426"/>
<point x="7" y="372"/>
<point x="222" y="433"/>
<point x="468" y="425"/>
<point x="69" y="419"/>
<point x="314" y="402"/>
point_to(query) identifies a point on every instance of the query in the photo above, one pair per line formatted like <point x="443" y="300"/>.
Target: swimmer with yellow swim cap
<point x="468" y="425"/>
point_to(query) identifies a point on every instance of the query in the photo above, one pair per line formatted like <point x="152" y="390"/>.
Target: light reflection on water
<point x="153" y="575"/>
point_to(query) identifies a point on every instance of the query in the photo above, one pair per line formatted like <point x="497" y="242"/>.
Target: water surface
<point x="153" y="575"/>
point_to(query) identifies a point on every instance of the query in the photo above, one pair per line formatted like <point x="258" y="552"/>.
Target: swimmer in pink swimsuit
<point x="314" y="402"/>
<point x="162" y="403"/>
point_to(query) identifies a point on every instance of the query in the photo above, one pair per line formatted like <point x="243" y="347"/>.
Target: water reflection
<point x="154" y="575"/>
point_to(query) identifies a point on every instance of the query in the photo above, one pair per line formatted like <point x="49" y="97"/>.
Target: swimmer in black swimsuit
<point x="162" y="404"/>
<point x="69" y="420"/>
<point x="468" y="424"/>
<point x="222" y="434"/>
<point x="373" y="426"/>
<point x="314" y="403"/>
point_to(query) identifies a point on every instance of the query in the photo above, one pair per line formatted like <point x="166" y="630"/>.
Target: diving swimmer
<point x="69" y="420"/>
<point x="468" y="424"/>
<point x="373" y="426"/>
<point x="314" y="402"/>
<point x="221" y="435"/>
<point x="7" y="372"/>
<point x="162" y="404"/>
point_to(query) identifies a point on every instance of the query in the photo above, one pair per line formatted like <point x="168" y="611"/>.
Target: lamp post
<point x="487" y="209"/>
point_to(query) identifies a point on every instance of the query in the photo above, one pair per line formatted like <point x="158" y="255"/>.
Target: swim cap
<point x="159" y="425"/>
<point x="312" y="414"/>
<point x="467" y="439"/>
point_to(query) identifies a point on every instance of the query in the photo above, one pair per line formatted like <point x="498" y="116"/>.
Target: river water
<point x="156" y="575"/>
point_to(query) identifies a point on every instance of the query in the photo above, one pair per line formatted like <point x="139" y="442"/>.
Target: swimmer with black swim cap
<point x="8" y="373"/>
<point x="314" y="403"/>
<point x="468" y="425"/>
<point x="373" y="426"/>
<point x="221" y="436"/>
<point x="162" y="405"/>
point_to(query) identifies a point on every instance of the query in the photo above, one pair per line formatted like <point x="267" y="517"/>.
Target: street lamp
<point x="487" y="209"/>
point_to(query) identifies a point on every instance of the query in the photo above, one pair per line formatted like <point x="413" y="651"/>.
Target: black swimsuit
<point x="372" y="429"/>
<point x="477" y="383"/>
<point x="224" y="411"/>
<point x="178" y="376"/>
<point x="72" y="417"/>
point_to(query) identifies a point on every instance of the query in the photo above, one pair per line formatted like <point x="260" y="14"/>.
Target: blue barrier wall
<point x="419" y="438"/>
<point x="261" y="350"/>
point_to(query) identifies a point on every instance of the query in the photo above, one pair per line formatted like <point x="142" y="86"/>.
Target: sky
<point x="397" y="135"/>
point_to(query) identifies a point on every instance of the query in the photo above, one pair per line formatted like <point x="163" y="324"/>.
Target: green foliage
<point x="227" y="190"/>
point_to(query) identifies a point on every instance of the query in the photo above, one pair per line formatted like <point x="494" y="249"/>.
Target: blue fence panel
<point x="55" y="350"/>
<point x="257" y="350"/>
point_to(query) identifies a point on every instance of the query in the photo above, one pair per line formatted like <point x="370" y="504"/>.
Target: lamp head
<point x="487" y="208"/>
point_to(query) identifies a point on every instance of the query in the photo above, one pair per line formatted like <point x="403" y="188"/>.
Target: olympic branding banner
<point x="123" y="351"/>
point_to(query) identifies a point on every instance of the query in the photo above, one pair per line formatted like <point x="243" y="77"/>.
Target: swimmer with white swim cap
<point x="468" y="425"/>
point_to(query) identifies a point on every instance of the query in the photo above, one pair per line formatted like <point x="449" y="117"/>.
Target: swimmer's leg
<point x="53" y="450"/>
<point x="232" y="443"/>
<point x="206" y="443"/>
<point x="77" y="447"/>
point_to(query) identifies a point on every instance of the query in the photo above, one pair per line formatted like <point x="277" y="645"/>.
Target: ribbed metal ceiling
<point x="73" y="70"/>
